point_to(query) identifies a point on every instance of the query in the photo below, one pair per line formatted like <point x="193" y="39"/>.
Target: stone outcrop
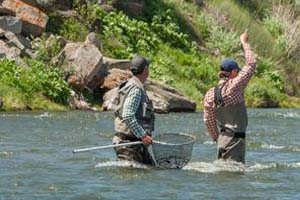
<point x="11" y="24"/>
<point x="33" y="19"/>
<point x="84" y="61"/>
<point x="165" y="99"/>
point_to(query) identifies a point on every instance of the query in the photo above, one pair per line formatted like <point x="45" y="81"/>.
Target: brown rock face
<point x="33" y="19"/>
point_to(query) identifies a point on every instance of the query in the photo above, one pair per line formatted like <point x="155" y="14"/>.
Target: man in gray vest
<point x="224" y="106"/>
<point x="134" y="114"/>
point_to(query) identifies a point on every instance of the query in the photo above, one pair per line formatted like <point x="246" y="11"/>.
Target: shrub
<point x="35" y="79"/>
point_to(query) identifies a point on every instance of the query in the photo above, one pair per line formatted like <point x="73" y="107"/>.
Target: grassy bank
<point x="185" y="41"/>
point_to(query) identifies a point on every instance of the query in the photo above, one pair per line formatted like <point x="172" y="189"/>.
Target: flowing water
<point x="36" y="159"/>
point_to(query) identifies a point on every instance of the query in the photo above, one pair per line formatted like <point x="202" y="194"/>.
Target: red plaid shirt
<point x="232" y="92"/>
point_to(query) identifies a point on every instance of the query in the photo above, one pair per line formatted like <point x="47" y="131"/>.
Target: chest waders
<point x="232" y="121"/>
<point x="145" y="118"/>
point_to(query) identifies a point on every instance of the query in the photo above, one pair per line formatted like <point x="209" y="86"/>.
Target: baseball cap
<point x="138" y="64"/>
<point x="229" y="64"/>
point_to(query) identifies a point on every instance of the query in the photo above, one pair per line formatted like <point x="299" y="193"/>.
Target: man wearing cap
<point x="224" y="106"/>
<point x="134" y="114"/>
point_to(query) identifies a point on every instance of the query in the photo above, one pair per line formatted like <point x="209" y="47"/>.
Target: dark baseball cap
<point x="229" y="64"/>
<point x="138" y="64"/>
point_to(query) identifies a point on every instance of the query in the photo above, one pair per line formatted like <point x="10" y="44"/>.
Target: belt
<point x="235" y="134"/>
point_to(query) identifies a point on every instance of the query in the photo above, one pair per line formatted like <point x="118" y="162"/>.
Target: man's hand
<point x="147" y="140"/>
<point x="244" y="37"/>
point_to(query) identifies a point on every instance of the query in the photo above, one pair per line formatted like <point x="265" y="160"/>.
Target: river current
<point x="36" y="159"/>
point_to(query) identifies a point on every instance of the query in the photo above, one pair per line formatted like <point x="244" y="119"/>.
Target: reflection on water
<point x="36" y="159"/>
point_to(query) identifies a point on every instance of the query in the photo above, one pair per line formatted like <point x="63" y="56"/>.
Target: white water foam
<point x="229" y="166"/>
<point x="209" y="142"/>
<point x="288" y="115"/>
<point x="44" y="115"/>
<point x="121" y="163"/>
<point x="214" y="167"/>
<point x="271" y="146"/>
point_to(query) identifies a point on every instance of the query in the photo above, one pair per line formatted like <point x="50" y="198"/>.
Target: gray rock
<point x="84" y="61"/>
<point x="111" y="63"/>
<point x="12" y="24"/>
<point x="4" y="49"/>
<point x="17" y="40"/>
<point x="12" y="53"/>
<point x="165" y="99"/>
<point x="1" y="32"/>
<point x="93" y="38"/>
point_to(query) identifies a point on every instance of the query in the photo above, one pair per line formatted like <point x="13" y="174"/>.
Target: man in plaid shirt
<point x="224" y="106"/>
<point x="134" y="115"/>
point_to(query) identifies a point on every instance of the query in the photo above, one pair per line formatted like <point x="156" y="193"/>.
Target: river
<point x="36" y="159"/>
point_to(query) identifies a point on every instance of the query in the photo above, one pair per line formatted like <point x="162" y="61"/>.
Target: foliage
<point x="264" y="90"/>
<point x="34" y="80"/>
<point x="48" y="48"/>
<point x="226" y="42"/>
<point x="70" y="28"/>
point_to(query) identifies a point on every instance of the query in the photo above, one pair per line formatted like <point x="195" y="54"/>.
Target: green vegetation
<point x="26" y="87"/>
<point x="185" y="41"/>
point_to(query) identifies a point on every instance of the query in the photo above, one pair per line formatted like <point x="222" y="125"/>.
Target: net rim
<point x="177" y="144"/>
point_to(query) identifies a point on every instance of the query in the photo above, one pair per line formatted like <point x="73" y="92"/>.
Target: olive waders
<point x="232" y="121"/>
<point x="144" y="117"/>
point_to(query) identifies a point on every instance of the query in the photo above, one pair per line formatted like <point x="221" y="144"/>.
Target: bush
<point x="34" y="80"/>
<point x="264" y="91"/>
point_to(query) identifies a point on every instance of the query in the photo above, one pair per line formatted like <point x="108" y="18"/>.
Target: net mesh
<point x="173" y="150"/>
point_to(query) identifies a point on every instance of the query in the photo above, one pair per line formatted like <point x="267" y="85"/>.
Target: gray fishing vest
<point x="144" y="113"/>
<point x="230" y="117"/>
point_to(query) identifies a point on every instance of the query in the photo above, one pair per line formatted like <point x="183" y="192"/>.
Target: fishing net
<point x="173" y="150"/>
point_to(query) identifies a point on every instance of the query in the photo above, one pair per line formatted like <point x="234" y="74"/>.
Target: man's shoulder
<point x="210" y="95"/>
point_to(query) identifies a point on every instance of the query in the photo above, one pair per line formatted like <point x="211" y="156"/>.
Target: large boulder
<point x="115" y="77"/>
<point x="33" y="19"/>
<point x="165" y="99"/>
<point x="85" y="62"/>
<point x="116" y="63"/>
